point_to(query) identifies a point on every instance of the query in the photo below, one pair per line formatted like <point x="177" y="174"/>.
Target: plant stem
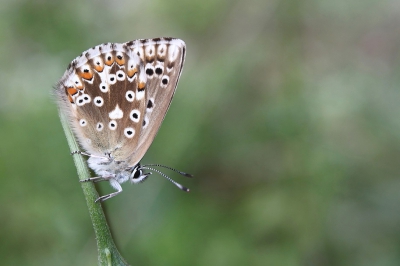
<point x="107" y="251"/>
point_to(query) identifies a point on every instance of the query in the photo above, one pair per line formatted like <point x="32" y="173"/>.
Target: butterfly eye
<point x="137" y="174"/>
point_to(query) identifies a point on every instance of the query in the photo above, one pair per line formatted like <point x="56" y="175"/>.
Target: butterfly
<point x="115" y="96"/>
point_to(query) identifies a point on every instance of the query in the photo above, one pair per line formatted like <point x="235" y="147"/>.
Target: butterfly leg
<point x="114" y="183"/>
<point x="88" y="154"/>
<point x="95" y="179"/>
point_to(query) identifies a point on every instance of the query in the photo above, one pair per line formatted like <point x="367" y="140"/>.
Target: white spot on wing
<point x="80" y="101"/>
<point x="103" y="87"/>
<point x="112" y="125"/>
<point x="98" y="101"/>
<point x="112" y="79"/>
<point x="130" y="96"/>
<point x="164" y="81"/>
<point x="135" y="115"/>
<point x="139" y="95"/>
<point x="99" y="126"/>
<point x="116" y="113"/>
<point x="129" y="132"/>
<point x="120" y="75"/>
<point x="162" y="50"/>
<point x="173" y="52"/>
<point x="82" y="122"/>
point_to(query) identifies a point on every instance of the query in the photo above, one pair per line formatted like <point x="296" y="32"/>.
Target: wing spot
<point x="130" y="96"/>
<point x="112" y="125"/>
<point x="117" y="113"/>
<point x="98" y="101"/>
<point x="159" y="71"/>
<point x="135" y="115"/>
<point x="129" y="132"/>
<point x="149" y="71"/>
<point x="99" y="126"/>
<point x="82" y="122"/>
<point x="149" y="104"/>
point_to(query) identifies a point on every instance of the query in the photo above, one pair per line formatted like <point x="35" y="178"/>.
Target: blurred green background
<point x="285" y="113"/>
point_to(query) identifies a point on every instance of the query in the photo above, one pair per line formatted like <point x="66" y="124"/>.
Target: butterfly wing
<point x="116" y="95"/>
<point x="163" y="62"/>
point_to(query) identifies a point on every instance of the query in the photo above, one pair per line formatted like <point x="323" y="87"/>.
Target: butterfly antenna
<point x="167" y="177"/>
<point x="170" y="168"/>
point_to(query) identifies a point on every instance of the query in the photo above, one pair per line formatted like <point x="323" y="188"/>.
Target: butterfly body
<point x="115" y="96"/>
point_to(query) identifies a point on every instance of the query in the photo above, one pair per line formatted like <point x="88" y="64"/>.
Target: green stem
<point x="108" y="252"/>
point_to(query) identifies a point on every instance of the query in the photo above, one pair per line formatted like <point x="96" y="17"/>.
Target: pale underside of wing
<point x="116" y="95"/>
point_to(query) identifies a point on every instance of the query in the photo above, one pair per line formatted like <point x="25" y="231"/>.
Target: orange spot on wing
<point x="132" y="72"/>
<point x="86" y="75"/>
<point x="108" y="60"/>
<point x="121" y="61"/>
<point x="72" y="91"/>
<point x="141" y="85"/>
<point x="70" y="99"/>
<point x="99" y="68"/>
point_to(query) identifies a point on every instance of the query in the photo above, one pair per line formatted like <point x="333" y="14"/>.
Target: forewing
<point x="163" y="60"/>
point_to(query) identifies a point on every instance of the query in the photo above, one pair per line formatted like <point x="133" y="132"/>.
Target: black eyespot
<point x="112" y="79"/>
<point x="144" y="122"/>
<point x="158" y="71"/>
<point x="98" y="63"/>
<point x="165" y="81"/>
<point x="149" y="104"/>
<point x="80" y="101"/>
<point x="129" y="132"/>
<point x="120" y="75"/>
<point x="86" y="70"/>
<point x="119" y="57"/>
<point x="103" y="87"/>
<point x="149" y="71"/>
<point x="98" y="101"/>
<point x="112" y="125"/>
<point x="109" y="58"/>
<point x="130" y="95"/>
<point x="135" y="115"/>
<point x="86" y="98"/>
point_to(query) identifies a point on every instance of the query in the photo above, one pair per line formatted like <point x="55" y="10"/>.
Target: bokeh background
<point x="287" y="113"/>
